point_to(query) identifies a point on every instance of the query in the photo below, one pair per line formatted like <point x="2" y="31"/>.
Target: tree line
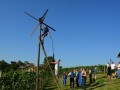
<point x="5" y="67"/>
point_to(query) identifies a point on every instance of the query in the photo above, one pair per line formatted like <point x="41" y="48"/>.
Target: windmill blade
<point x="49" y="26"/>
<point x="31" y="16"/>
<point x="34" y="29"/>
<point x="43" y="17"/>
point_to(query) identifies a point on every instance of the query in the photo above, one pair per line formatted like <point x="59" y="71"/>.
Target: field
<point x="102" y="83"/>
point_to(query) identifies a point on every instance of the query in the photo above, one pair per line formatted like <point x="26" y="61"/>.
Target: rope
<point x="52" y="46"/>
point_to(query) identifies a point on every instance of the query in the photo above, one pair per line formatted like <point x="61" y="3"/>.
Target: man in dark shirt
<point x="71" y="75"/>
<point x="45" y="33"/>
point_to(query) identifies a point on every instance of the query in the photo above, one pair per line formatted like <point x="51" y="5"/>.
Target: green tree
<point x="49" y="59"/>
<point x="20" y="63"/>
<point x="4" y="66"/>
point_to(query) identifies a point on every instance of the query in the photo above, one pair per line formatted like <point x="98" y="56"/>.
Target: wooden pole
<point x="38" y="61"/>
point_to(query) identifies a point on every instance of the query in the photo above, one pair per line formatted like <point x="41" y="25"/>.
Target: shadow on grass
<point x="50" y="86"/>
<point x="102" y="77"/>
<point x="94" y="85"/>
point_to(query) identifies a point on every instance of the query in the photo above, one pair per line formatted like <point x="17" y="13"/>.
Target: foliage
<point x="49" y="59"/>
<point x="18" y="81"/>
<point x="4" y="66"/>
<point x="100" y="68"/>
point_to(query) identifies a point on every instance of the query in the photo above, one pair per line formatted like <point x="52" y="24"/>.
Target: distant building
<point x="31" y="67"/>
<point x="28" y="67"/>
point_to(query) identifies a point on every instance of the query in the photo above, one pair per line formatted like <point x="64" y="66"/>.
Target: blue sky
<point x="87" y="31"/>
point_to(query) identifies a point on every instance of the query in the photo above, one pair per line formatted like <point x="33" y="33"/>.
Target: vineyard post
<point x="0" y="73"/>
<point x="38" y="61"/>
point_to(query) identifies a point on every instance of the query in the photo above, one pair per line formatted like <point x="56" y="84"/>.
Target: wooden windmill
<point x="40" y="23"/>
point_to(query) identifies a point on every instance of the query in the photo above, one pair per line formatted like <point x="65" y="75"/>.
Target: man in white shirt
<point x="71" y="75"/>
<point x="113" y="69"/>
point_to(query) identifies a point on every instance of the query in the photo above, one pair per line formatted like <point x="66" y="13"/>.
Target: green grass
<point x="101" y="83"/>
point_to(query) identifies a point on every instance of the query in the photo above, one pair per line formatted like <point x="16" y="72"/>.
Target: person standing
<point x="80" y="77"/>
<point x="95" y="72"/>
<point x="84" y="74"/>
<point x="77" y="78"/>
<point x="118" y="70"/>
<point x="109" y="71"/>
<point x="71" y="75"/>
<point x="113" y="70"/>
<point x="64" y="78"/>
<point x="74" y="72"/>
<point x="90" y="75"/>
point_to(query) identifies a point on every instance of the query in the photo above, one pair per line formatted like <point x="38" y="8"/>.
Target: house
<point x="31" y="67"/>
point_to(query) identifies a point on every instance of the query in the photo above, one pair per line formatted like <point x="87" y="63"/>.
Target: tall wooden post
<point x="38" y="61"/>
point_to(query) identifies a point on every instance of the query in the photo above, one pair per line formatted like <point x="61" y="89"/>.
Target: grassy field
<point x="100" y="84"/>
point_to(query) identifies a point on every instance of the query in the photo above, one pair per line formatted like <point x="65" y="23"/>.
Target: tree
<point x="49" y="59"/>
<point x="20" y="63"/>
<point x="4" y="66"/>
<point x="60" y="70"/>
<point x="15" y="65"/>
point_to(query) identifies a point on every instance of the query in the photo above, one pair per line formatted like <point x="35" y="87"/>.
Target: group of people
<point x="78" y="77"/>
<point x="113" y="70"/>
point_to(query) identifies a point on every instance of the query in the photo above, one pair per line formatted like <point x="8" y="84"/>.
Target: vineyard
<point x="18" y="81"/>
<point x="14" y="79"/>
<point x="21" y="80"/>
